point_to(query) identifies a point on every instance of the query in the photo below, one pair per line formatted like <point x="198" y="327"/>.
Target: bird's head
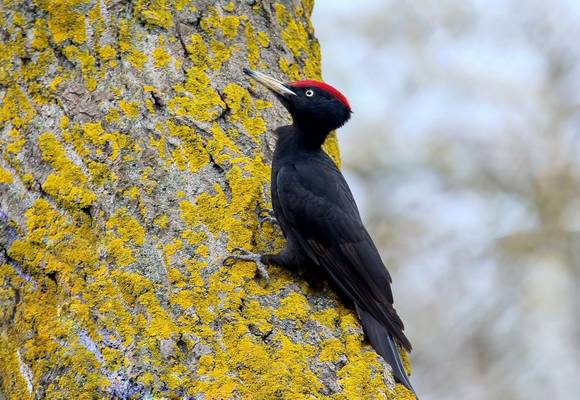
<point x="316" y="107"/>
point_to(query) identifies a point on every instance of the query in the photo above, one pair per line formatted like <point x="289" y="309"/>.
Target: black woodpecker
<point x="319" y="218"/>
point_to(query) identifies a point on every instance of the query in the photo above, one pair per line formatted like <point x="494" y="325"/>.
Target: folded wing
<point x="320" y="213"/>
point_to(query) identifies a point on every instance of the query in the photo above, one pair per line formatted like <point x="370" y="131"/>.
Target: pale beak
<point x="273" y="84"/>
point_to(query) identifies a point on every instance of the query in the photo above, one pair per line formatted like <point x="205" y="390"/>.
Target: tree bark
<point x="135" y="157"/>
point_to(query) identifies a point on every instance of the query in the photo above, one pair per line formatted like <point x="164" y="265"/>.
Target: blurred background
<point x="464" y="155"/>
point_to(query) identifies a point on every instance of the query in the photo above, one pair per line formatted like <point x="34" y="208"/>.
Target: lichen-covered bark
<point x="135" y="157"/>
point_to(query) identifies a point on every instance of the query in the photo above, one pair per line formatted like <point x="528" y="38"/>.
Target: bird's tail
<point x="384" y="344"/>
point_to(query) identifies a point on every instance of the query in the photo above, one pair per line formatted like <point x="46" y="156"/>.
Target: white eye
<point x="309" y="93"/>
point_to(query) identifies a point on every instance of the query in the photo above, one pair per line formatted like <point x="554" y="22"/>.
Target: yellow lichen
<point x="180" y="5"/>
<point x="124" y="233"/>
<point x="137" y="58"/>
<point x="252" y="48"/>
<point x="312" y="67"/>
<point x="263" y="39"/>
<point x="162" y="221"/>
<point x="16" y="108"/>
<point x="170" y="249"/>
<point x="193" y="238"/>
<point x="65" y="19"/>
<point x="228" y="25"/>
<point x="95" y="134"/>
<point x="191" y="154"/>
<point x="294" y="34"/>
<point x="238" y="101"/>
<point x="55" y="82"/>
<point x="331" y="350"/>
<point x="130" y="108"/>
<point x="328" y="317"/>
<point x="198" y="51"/>
<point x="17" y="141"/>
<point x="255" y="125"/>
<point x="27" y="179"/>
<point x="5" y="176"/>
<point x="294" y="306"/>
<point x="155" y="12"/>
<point x="113" y="115"/>
<point x="40" y="41"/>
<point x="87" y="64"/>
<point x="229" y="7"/>
<point x="161" y="57"/>
<point x="197" y="98"/>
<point x="107" y="52"/>
<point x="184" y="298"/>
<point x="68" y="184"/>
<point x="220" y="54"/>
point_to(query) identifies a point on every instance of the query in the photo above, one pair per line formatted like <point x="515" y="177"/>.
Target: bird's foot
<point x="269" y="219"/>
<point x="267" y="215"/>
<point x="245" y="255"/>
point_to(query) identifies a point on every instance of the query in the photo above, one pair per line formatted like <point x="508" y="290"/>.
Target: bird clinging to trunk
<point x="319" y="217"/>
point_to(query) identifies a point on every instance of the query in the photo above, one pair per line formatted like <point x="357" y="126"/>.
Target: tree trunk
<point x="135" y="157"/>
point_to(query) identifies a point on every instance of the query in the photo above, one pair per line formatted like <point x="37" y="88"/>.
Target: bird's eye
<point x="309" y="93"/>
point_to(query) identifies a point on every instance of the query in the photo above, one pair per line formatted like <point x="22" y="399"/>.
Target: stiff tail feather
<point x="384" y="344"/>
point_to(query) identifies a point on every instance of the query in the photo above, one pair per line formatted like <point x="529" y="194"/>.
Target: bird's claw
<point x="269" y="219"/>
<point x="267" y="215"/>
<point x="239" y="254"/>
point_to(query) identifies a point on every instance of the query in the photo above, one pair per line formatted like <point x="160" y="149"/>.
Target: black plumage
<point x="320" y="219"/>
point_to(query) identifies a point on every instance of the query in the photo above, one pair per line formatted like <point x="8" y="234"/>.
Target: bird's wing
<point x="319" y="210"/>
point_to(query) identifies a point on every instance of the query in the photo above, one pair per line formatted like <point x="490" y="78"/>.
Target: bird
<point x="316" y="211"/>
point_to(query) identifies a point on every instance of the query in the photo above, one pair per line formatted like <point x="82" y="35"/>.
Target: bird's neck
<point x="309" y="137"/>
<point x="290" y="142"/>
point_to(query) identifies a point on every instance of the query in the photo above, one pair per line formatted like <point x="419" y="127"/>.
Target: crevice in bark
<point x="158" y="101"/>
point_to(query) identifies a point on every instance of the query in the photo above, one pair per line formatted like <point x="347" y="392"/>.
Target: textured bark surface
<point x="135" y="157"/>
